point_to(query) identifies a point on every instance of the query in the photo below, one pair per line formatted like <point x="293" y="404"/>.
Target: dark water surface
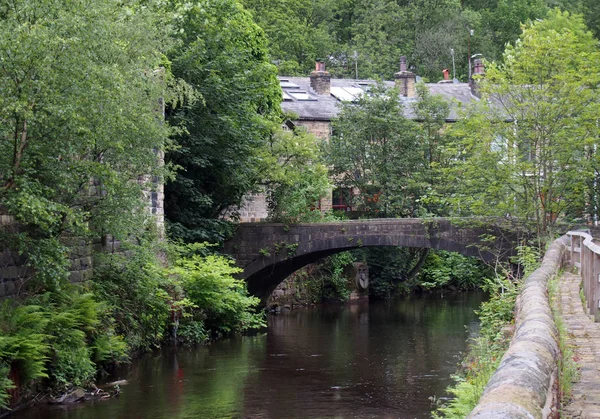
<point x="377" y="360"/>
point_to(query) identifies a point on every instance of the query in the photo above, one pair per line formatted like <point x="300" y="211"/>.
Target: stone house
<point x="316" y="99"/>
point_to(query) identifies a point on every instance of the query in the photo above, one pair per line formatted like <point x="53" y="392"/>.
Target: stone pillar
<point x="405" y="80"/>
<point x="320" y="79"/>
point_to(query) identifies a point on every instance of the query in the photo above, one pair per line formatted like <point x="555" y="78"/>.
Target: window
<point x="341" y="198"/>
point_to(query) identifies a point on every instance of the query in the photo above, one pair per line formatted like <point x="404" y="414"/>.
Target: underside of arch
<point x="263" y="275"/>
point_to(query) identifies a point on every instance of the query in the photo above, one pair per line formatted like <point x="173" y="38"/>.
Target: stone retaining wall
<point x="525" y="383"/>
<point x="14" y="273"/>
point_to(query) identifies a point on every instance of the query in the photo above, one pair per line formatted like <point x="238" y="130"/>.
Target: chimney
<point x="446" y="74"/>
<point x="320" y="80"/>
<point x="478" y="74"/>
<point x="405" y="80"/>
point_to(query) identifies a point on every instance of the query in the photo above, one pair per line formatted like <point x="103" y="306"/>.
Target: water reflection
<point x="378" y="360"/>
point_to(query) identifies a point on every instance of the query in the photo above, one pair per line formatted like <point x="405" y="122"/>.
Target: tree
<point x="527" y="144"/>
<point x="295" y="176"/>
<point x="434" y="144"/>
<point x="297" y="31"/>
<point x="223" y="55"/>
<point x="80" y="120"/>
<point x="374" y="151"/>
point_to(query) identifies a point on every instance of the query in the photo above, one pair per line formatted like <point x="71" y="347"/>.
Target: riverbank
<point x="382" y="357"/>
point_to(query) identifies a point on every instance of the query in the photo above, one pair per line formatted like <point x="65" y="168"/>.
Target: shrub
<point x="209" y="283"/>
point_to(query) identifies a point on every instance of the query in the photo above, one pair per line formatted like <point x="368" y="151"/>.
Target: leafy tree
<point x="527" y="144"/>
<point x="297" y="31"/>
<point x="374" y="151"/>
<point x="295" y="176"/>
<point x="431" y="112"/>
<point x="223" y="56"/>
<point x="79" y="120"/>
<point x="504" y="21"/>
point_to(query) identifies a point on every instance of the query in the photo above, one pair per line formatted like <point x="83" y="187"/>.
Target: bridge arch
<point x="269" y="253"/>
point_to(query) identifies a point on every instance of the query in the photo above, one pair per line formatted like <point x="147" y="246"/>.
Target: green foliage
<point x="225" y="133"/>
<point x="388" y="269"/>
<point x="451" y="270"/>
<point x="295" y="176"/>
<point x="209" y="283"/>
<point x="62" y="336"/>
<point x="330" y="281"/>
<point x="479" y="366"/>
<point x="539" y="166"/>
<point x="374" y="151"/>
<point x="24" y="346"/>
<point x="485" y="352"/>
<point x="134" y="288"/>
<point x="364" y="39"/>
<point x="71" y="151"/>
<point x="567" y="367"/>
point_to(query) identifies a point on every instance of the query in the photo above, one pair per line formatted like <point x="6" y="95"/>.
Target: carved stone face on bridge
<point x="362" y="276"/>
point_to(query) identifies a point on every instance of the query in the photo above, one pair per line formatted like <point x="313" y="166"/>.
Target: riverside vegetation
<point x="81" y="127"/>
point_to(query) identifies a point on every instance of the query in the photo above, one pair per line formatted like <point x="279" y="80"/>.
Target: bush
<point x="208" y="281"/>
<point x="452" y="270"/>
<point x="134" y="288"/>
<point x="62" y="336"/>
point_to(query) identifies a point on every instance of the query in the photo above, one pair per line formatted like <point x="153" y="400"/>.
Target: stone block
<point x="10" y="288"/>
<point x="76" y="276"/>
<point x="87" y="274"/>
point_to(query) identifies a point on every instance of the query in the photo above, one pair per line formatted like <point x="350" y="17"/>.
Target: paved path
<point x="584" y="335"/>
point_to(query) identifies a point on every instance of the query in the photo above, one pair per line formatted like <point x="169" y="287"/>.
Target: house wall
<point x="320" y="129"/>
<point x="255" y="208"/>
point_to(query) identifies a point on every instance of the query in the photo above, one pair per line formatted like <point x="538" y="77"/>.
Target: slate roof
<point x="324" y="108"/>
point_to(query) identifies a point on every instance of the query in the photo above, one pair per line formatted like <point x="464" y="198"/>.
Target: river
<point x="374" y="360"/>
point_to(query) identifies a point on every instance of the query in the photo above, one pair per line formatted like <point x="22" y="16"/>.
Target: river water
<point x="374" y="360"/>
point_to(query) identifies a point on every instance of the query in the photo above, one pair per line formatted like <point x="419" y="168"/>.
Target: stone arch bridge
<point x="268" y="253"/>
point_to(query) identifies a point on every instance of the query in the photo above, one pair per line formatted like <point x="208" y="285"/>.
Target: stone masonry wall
<point x="254" y="208"/>
<point x="525" y="383"/>
<point x="320" y="129"/>
<point x="14" y="273"/>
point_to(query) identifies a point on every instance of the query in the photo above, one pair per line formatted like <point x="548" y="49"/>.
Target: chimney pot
<point x="479" y="69"/>
<point x="403" y="63"/>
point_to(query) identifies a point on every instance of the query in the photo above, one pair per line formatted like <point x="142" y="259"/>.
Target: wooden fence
<point x="585" y="256"/>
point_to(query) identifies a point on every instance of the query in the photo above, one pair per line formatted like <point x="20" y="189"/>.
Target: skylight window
<point x="286" y="84"/>
<point x="346" y="94"/>
<point x="300" y="95"/>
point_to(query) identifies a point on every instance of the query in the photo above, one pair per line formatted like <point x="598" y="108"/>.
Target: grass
<point x="567" y="367"/>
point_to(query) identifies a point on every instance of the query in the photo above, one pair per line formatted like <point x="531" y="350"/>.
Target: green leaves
<point x="210" y="284"/>
<point x="294" y="174"/>
<point x="374" y="151"/>
<point x="80" y="119"/>
<point x="528" y="146"/>
<point x="223" y="136"/>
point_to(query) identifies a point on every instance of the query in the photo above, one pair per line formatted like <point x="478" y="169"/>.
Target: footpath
<point x="584" y="336"/>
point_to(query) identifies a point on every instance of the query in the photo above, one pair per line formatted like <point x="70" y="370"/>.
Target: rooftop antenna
<point x="355" y="56"/>
<point x="453" y="66"/>
<point x="471" y="33"/>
